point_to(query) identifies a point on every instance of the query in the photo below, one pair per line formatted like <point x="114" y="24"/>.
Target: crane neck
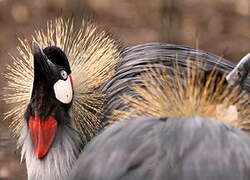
<point x="58" y="162"/>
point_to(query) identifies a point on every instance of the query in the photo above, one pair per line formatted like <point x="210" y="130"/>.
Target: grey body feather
<point x="160" y="148"/>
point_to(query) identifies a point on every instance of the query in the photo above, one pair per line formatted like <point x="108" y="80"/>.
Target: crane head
<point x="51" y="96"/>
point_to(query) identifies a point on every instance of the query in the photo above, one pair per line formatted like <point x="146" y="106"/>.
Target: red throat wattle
<point x="43" y="133"/>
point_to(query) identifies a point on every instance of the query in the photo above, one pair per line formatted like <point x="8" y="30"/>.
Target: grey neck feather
<point x="58" y="162"/>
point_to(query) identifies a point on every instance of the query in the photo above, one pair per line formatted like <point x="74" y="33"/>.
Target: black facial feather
<point x="43" y="100"/>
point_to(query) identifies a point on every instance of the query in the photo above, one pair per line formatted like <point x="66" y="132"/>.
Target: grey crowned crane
<point x="187" y="126"/>
<point x="66" y="86"/>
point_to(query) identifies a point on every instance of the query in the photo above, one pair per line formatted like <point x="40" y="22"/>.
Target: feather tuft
<point x="187" y="92"/>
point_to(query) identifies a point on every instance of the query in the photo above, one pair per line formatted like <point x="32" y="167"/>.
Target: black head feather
<point x="58" y="57"/>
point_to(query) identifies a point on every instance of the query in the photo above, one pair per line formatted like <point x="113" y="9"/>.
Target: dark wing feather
<point x="135" y="59"/>
<point x="147" y="148"/>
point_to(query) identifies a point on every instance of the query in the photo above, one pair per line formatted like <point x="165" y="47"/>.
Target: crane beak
<point x="239" y="74"/>
<point x="42" y="65"/>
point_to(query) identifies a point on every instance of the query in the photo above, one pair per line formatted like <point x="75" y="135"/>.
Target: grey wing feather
<point x="157" y="148"/>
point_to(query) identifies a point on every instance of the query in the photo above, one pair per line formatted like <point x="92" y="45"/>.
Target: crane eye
<point x="63" y="74"/>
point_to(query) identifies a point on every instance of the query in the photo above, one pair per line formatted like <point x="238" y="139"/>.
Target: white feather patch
<point x="63" y="91"/>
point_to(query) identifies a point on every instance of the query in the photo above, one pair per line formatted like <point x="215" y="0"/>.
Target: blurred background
<point x="218" y="26"/>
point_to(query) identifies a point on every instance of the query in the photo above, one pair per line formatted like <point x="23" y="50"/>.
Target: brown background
<point x="219" y="26"/>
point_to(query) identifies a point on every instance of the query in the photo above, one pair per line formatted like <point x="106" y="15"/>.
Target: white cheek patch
<point x="63" y="91"/>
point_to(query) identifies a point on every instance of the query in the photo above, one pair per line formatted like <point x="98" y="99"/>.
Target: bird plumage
<point x="92" y="56"/>
<point x="185" y="93"/>
<point x="56" y="165"/>
<point x="135" y="60"/>
<point x="102" y="74"/>
<point x="183" y="124"/>
<point x="191" y="148"/>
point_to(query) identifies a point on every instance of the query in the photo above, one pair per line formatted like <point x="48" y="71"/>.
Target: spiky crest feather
<point x="92" y="56"/>
<point x="187" y="93"/>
